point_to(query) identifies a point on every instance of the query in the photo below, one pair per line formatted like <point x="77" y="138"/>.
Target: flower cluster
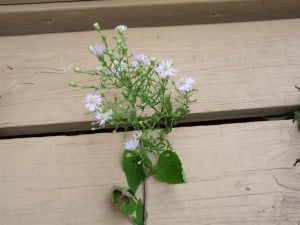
<point x="137" y="92"/>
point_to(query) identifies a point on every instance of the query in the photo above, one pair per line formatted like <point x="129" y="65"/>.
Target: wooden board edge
<point x="79" y="16"/>
<point x="18" y="2"/>
<point x="193" y="119"/>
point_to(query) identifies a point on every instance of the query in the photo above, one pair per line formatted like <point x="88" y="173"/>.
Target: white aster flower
<point x="121" y="28"/>
<point x="165" y="69"/>
<point x="185" y="84"/>
<point x="103" y="117"/>
<point x="92" y="102"/>
<point x="117" y="68"/>
<point x="131" y="144"/>
<point x="140" y="60"/>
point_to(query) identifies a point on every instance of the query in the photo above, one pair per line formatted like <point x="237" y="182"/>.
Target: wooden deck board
<point x="60" y="180"/>
<point x="77" y="16"/>
<point x="238" y="174"/>
<point x="18" y="2"/>
<point x="241" y="70"/>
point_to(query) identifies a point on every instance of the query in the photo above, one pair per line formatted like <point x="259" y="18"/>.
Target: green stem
<point x="144" y="201"/>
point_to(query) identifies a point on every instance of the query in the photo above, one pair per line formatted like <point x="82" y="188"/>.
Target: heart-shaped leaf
<point x="170" y="168"/>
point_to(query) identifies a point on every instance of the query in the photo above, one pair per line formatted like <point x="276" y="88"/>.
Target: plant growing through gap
<point x="137" y="92"/>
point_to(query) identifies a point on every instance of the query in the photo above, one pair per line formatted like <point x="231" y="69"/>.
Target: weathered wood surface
<point x="60" y="180"/>
<point x="238" y="174"/>
<point x="17" y="2"/>
<point x="77" y="16"/>
<point x="241" y="70"/>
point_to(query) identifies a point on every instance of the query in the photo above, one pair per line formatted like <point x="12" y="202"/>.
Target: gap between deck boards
<point x="110" y="130"/>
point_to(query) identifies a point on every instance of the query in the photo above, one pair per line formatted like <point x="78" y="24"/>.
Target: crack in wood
<point x="284" y="186"/>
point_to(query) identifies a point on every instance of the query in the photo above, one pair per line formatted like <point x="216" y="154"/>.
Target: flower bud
<point x="97" y="27"/>
<point x="121" y="28"/>
<point x="77" y="70"/>
<point x="96" y="50"/>
<point x="139" y="71"/>
<point x="124" y="48"/>
<point x="73" y="84"/>
<point x="128" y="155"/>
<point x="152" y="61"/>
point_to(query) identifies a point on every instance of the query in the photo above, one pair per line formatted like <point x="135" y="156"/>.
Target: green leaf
<point x="133" y="169"/>
<point x="297" y="118"/>
<point x="128" y="205"/>
<point x="297" y="115"/>
<point x="169" y="168"/>
<point x="124" y="200"/>
<point x="116" y="197"/>
<point x="139" y="213"/>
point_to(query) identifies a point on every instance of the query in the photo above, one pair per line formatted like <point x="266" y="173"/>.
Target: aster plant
<point x="137" y="93"/>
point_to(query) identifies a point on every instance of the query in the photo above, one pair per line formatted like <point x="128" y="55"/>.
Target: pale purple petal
<point x="132" y="144"/>
<point x="185" y="84"/>
<point x="140" y="60"/>
<point x="165" y="69"/>
<point x="93" y="102"/>
<point x="102" y="118"/>
<point x="97" y="50"/>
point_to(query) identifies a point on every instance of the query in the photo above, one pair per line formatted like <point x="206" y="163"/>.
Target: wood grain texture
<point x="237" y="174"/>
<point x="241" y="70"/>
<point x="78" y="16"/>
<point x="60" y="180"/>
<point x="18" y="2"/>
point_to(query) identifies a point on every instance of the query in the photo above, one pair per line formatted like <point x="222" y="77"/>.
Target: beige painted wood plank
<point x="237" y="174"/>
<point x="77" y="16"/>
<point x="60" y="180"/>
<point x="241" y="70"/>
